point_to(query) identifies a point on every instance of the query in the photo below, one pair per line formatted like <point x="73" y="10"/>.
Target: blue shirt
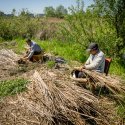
<point x="34" y="47"/>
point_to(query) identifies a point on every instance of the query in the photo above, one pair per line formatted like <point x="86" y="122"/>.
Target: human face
<point x="93" y="52"/>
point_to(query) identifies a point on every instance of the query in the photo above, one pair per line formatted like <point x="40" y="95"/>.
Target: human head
<point x="28" y="41"/>
<point x="93" y="48"/>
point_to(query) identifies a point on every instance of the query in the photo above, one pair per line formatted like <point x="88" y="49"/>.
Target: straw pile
<point x="55" y="104"/>
<point x="7" y="58"/>
<point x="114" y="85"/>
<point x="51" y="99"/>
<point x="8" y="63"/>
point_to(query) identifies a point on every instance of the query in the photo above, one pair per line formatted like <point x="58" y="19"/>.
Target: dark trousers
<point x="80" y="74"/>
<point x="35" y="53"/>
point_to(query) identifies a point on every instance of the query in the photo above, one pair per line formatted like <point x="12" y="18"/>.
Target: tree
<point x="2" y="13"/>
<point x="61" y="11"/>
<point x="49" y="11"/>
<point x="25" y="12"/>
<point x="114" y="12"/>
<point x="78" y="9"/>
<point x="14" y="12"/>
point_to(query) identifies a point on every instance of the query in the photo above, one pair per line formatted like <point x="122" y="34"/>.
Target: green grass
<point x="50" y="64"/>
<point x="70" y="51"/>
<point x="117" y="68"/>
<point x="11" y="87"/>
<point x="121" y="111"/>
<point x="20" y="46"/>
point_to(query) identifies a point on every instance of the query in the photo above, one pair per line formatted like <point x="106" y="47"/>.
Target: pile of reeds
<point x="112" y="84"/>
<point x="52" y="103"/>
<point x="53" y="99"/>
<point x="8" y="65"/>
<point x="8" y="58"/>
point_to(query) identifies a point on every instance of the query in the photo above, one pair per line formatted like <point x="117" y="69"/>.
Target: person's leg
<point x="37" y="53"/>
<point x="81" y="75"/>
<point x="31" y="59"/>
<point x="34" y="57"/>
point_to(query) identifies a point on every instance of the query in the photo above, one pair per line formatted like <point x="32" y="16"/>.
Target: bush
<point x="83" y="28"/>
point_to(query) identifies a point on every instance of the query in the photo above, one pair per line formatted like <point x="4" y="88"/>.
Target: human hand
<point x="77" y="68"/>
<point x="25" y="58"/>
<point x="83" y="68"/>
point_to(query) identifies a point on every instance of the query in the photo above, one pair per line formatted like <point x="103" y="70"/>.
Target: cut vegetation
<point x="52" y="98"/>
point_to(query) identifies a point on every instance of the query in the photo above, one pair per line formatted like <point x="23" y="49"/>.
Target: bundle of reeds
<point x="112" y="84"/>
<point x="52" y="99"/>
<point x="57" y="104"/>
<point x="7" y="58"/>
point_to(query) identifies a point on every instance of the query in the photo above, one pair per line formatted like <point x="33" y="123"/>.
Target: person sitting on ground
<point x="34" y="49"/>
<point x="96" y="60"/>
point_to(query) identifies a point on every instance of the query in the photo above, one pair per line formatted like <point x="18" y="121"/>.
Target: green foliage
<point x="11" y="87"/>
<point x="93" y="26"/>
<point x="121" y="111"/>
<point x="20" y="46"/>
<point x="114" y="13"/>
<point x="1" y="14"/>
<point x="21" y="26"/>
<point x="13" y="12"/>
<point x="79" y="8"/>
<point x="83" y="28"/>
<point x="117" y="68"/>
<point x="50" y="64"/>
<point x="49" y="11"/>
<point x="59" y="12"/>
<point x="24" y="12"/>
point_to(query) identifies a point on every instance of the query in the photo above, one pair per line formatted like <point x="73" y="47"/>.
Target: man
<point x="34" y="49"/>
<point x="96" y="60"/>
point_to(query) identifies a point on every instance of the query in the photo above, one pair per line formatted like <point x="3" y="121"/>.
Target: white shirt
<point x="96" y="62"/>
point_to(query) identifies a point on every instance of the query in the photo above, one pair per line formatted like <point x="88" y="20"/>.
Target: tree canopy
<point x="59" y="12"/>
